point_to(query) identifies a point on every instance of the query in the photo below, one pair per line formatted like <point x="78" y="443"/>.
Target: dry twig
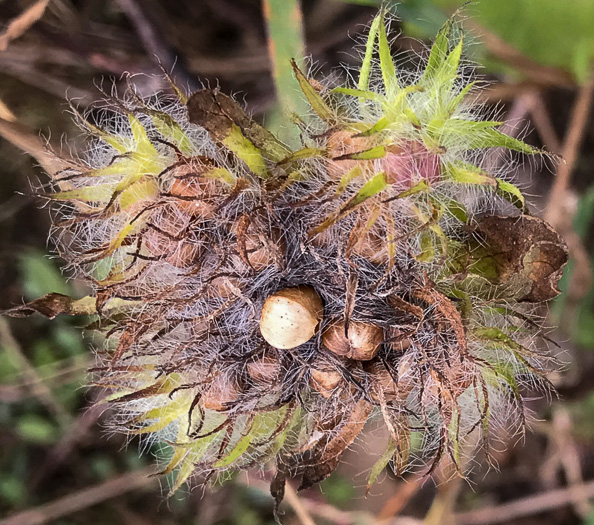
<point x="83" y="499"/>
<point x="21" y="23"/>
<point x="519" y="508"/>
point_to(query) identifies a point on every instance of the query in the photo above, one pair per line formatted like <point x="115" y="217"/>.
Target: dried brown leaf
<point x="331" y="451"/>
<point x="21" y="23"/>
<point x="54" y="304"/>
<point x="219" y="113"/>
<point x="526" y="254"/>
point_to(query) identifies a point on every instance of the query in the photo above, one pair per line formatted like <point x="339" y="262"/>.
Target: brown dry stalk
<point x="541" y="118"/>
<point x="532" y="70"/>
<point x="21" y="23"/>
<point x="28" y="141"/>
<point x="83" y="499"/>
<point x="403" y="493"/>
<point x="571" y="148"/>
<point x="293" y="499"/>
<point x="519" y="508"/>
<point x="41" y="391"/>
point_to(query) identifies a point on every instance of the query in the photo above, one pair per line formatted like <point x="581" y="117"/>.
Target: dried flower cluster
<point x="260" y="303"/>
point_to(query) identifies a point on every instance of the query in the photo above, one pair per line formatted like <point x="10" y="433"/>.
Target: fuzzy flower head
<point x="260" y="304"/>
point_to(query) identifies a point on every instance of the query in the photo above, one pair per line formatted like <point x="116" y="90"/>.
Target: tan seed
<point x="222" y="391"/>
<point x="291" y="317"/>
<point x="265" y="369"/>
<point x="325" y="381"/>
<point x="362" y="342"/>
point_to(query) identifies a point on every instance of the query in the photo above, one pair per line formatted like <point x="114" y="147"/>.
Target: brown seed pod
<point x="262" y="254"/>
<point x="325" y="381"/>
<point x="222" y="391"/>
<point x="291" y="317"/>
<point x="397" y="340"/>
<point x="264" y="369"/>
<point x="182" y="253"/>
<point x="345" y="142"/>
<point x="382" y="382"/>
<point x="361" y="343"/>
<point x="194" y="195"/>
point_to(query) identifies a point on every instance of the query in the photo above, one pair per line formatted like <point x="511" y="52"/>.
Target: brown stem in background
<point x="543" y="75"/>
<point x="42" y="392"/>
<point x="571" y="148"/>
<point x="156" y="44"/>
<point x="519" y="508"/>
<point x="83" y="499"/>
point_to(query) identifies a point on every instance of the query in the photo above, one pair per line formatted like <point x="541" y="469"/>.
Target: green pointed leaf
<point x="237" y="451"/>
<point x="374" y="153"/>
<point x="511" y="194"/>
<point x="228" y="124"/>
<point x="439" y="51"/>
<point x="313" y="97"/>
<point x="304" y="153"/>
<point x="386" y="62"/>
<point x="419" y="187"/>
<point x="427" y="253"/>
<point x="347" y="178"/>
<point x="171" y="131"/>
<point x="446" y="74"/>
<point x="120" y="144"/>
<point x="492" y="138"/>
<point x="365" y="71"/>
<point x="454" y="208"/>
<point x="179" y="454"/>
<point x="465" y="173"/>
<point x="497" y="371"/>
<point x="381" y="463"/>
<point x="380" y="125"/>
<point x="196" y="451"/>
<point x="457" y="100"/>
<point x="99" y="193"/>
<point x="374" y="186"/>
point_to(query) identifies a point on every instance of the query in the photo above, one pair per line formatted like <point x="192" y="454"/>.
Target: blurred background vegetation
<point x="57" y="464"/>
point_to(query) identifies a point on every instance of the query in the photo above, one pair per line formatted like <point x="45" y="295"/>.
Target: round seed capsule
<point x="325" y="381"/>
<point x="264" y="369"/>
<point x="222" y="391"/>
<point x="291" y="317"/>
<point x="361" y="343"/>
<point x="260" y="254"/>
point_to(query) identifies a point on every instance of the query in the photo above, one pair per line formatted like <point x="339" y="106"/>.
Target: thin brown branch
<point x="405" y="490"/>
<point x="83" y="499"/>
<point x="541" y="117"/>
<point x="519" y="508"/>
<point x="535" y="72"/>
<point x="28" y="141"/>
<point x="22" y="23"/>
<point x="41" y="391"/>
<point x="61" y="451"/>
<point x="156" y="44"/>
<point x="302" y="513"/>
<point x="571" y="147"/>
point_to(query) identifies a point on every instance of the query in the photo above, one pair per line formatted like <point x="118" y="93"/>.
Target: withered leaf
<point x="277" y="490"/>
<point x="219" y="114"/>
<point x="54" y="304"/>
<point x="522" y="253"/>
<point x="328" y="454"/>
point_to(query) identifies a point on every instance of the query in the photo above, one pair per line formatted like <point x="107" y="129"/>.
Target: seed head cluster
<point x="259" y="303"/>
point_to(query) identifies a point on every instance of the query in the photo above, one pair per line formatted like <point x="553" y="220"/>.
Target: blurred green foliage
<point x="550" y="32"/>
